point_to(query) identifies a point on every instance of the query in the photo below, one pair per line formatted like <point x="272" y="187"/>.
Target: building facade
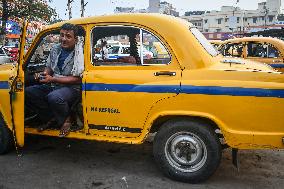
<point x="167" y="8"/>
<point x="234" y="19"/>
<point x="124" y="10"/>
<point x="155" y="6"/>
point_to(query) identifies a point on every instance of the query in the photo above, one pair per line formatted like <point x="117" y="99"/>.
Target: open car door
<point x="17" y="94"/>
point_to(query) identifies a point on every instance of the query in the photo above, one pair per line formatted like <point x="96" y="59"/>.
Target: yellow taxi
<point x="262" y="49"/>
<point x="193" y="100"/>
<point x="216" y="43"/>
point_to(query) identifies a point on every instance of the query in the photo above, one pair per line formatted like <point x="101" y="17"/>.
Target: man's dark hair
<point x="78" y="30"/>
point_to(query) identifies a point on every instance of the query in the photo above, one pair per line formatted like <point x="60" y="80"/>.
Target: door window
<point x="42" y="51"/>
<point x="261" y="50"/>
<point x="2" y="53"/>
<point x="37" y="60"/>
<point x="127" y="46"/>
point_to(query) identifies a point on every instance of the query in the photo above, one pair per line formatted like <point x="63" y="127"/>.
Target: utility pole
<point x="83" y="5"/>
<point x="69" y="8"/>
<point x="266" y="11"/>
<point x="234" y="10"/>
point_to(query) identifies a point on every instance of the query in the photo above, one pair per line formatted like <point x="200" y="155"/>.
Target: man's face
<point x="67" y="39"/>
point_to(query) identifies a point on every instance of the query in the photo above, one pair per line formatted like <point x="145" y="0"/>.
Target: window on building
<point x="206" y="30"/>
<point x="199" y="24"/>
<point x="218" y="30"/>
<point x="219" y="20"/>
<point x="238" y="19"/>
<point x="270" y="18"/>
<point x="245" y="19"/>
<point x="205" y="21"/>
<point x="226" y="19"/>
<point x="254" y="20"/>
<point x="262" y="18"/>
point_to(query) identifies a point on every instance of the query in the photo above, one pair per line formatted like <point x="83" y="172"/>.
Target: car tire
<point x="187" y="150"/>
<point x="6" y="138"/>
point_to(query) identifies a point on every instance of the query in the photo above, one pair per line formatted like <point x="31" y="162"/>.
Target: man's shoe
<point x="66" y="127"/>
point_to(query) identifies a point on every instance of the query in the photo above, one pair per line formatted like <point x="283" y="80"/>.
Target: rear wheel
<point x="6" y="138"/>
<point x="187" y="150"/>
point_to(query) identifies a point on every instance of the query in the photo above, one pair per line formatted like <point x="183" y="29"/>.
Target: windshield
<point x="204" y="42"/>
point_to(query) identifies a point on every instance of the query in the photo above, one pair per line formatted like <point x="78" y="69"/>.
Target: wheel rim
<point x="186" y="152"/>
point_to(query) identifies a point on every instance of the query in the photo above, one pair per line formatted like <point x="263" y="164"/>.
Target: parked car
<point x="193" y="101"/>
<point x="4" y="57"/>
<point x="262" y="49"/>
<point x="120" y="51"/>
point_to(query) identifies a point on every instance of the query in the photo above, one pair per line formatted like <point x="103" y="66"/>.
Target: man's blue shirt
<point x="63" y="55"/>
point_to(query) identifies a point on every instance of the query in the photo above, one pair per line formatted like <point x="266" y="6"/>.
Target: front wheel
<point x="187" y="150"/>
<point x="6" y="138"/>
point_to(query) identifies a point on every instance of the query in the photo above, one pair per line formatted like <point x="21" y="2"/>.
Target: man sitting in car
<point x="60" y="82"/>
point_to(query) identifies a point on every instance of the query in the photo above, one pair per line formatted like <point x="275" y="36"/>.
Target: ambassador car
<point x="267" y="50"/>
<point x="192" y="101"/>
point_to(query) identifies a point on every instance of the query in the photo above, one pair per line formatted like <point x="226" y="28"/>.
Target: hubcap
<point x="186" y="152"/>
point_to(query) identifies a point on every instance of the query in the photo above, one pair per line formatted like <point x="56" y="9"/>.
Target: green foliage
<point x="31" y="9"/>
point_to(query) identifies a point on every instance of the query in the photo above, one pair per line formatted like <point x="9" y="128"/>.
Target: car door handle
<point x="165" y="73"/>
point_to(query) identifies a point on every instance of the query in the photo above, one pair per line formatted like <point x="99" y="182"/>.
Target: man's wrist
<point x="53" y="79"/>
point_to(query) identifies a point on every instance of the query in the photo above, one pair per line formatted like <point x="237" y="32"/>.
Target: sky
<point x="100" y="7"/>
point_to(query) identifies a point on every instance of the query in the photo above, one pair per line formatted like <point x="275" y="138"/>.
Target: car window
<point x="113" y="50"/>
<point x="2" y="52"/>
<point x="204" y="42"/>
<point x="261" y="50"/>
<point x="154" y="51"/>
<point x="42" y="51"/>
<point x="127" y="46"/>
<point x="232" y="49"/>
<point x="125" y="50"/>
<point x="272" y="52"/>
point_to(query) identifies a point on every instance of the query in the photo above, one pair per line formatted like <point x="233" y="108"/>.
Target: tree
<point x="32" y="10"/>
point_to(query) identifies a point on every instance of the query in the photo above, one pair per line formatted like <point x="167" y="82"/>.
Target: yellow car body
<point x="245" y="102"/>
<point x="262" y="49"/>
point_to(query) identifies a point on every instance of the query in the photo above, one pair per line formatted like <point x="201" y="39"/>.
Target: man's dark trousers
<point x="51" y="101"/>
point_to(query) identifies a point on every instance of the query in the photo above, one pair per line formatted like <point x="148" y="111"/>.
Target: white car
<point x="118" y="51"/>
<point x="4" y="58"/>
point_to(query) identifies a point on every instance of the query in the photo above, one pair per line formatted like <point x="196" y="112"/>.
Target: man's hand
<point x="45" y="78"/>
<point x="69" y="80"/>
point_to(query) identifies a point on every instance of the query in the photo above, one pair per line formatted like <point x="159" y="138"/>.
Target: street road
<point x="48" y="162"/>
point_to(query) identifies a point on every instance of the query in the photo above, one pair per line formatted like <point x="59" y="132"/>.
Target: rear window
<point x="204" y="42"/>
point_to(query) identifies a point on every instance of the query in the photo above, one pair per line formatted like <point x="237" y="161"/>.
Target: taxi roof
<point x="260" y="39"/>
<point x="149" y="18"/>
